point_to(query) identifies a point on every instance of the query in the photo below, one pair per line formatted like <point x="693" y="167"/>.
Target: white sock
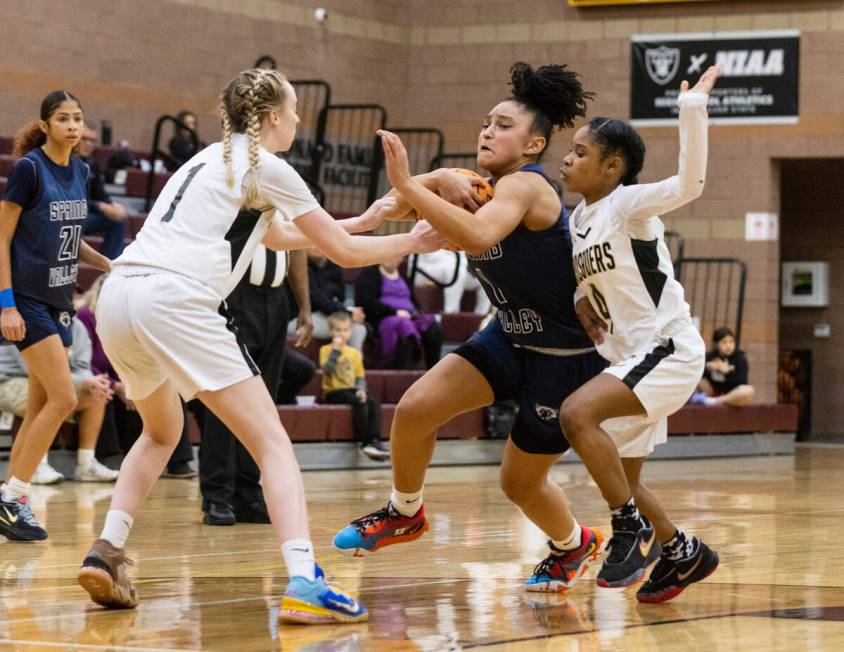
<point x="45" y="460"/>
<point x="116" y="527"/>
<point x="15" y="489"/>
<point x="572" y="541"/>
<point x="406" y="504"/>
<point x="299" y="558"/>
<point x="84" y="456"/>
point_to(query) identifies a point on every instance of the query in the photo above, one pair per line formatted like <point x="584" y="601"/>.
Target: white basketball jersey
<point x="621" y="262"/>
<point x="190" y="226"/>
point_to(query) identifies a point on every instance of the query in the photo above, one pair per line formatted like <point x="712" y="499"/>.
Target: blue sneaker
<point x="314" y="602"/>
<point x="561" y="569"/>
<point x="384" y="527"/>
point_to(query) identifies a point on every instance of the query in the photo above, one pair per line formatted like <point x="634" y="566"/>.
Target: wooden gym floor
<point x="778" y="524"/>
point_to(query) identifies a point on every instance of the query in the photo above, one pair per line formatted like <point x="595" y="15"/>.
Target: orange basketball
<point x="483" y="193"/>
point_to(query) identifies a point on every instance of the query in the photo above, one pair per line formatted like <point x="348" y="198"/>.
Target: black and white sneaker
<point x="18" y="523"/>
<point x="671" y="576"/>
<point x="376" y="450"/>
<point x="633" y="548"/>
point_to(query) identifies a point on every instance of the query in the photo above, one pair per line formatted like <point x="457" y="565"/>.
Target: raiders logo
<point x="546" y="413"/>
<point x="64" y="319"/>
<point x="662" y="63"/>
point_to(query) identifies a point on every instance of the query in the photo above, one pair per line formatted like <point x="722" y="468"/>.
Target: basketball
<point x="483" y="193"/>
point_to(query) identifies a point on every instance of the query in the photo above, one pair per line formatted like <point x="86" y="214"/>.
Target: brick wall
<point x="438" y="63"/>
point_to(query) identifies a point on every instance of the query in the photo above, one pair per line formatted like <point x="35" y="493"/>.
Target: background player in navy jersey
<point x="534" y="351"/>
<point x="41" y="215"/>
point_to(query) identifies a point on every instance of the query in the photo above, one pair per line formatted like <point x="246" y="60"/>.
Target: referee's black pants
<point x="227" y="473"/>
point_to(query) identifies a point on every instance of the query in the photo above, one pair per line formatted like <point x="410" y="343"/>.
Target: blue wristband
<point x="7" y="298"/>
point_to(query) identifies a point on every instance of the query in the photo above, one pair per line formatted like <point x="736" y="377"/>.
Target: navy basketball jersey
<point x="528" y="276"/>
<point x="45" y="247"/>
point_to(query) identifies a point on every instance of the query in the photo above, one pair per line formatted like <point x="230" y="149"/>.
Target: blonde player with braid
<point x="161" y="318"/>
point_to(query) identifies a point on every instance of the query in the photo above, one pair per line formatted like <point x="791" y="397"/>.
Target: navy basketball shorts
<point x="42" y="321"/>
<point x="538" y="383"/>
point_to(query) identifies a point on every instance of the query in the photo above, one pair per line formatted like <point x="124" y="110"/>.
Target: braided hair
<point x="553" y="95"/>
<point x="244" y="102"/>
<point x="616" y="137"/>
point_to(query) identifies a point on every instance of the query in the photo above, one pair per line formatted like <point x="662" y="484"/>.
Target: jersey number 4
<point x="600" y="303"/>
<point x="172" y="210"/>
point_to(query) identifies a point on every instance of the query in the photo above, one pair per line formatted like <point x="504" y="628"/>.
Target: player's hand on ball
<point x="458" y="189"/>
<point x="378" y="212"/>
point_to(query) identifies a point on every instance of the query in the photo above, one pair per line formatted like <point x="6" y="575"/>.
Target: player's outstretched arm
<point x="642" y="201"/>
<point x="284" y="235"/>
<point x="89" y="255"/>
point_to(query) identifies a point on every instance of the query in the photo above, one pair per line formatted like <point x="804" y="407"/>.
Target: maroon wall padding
<point x="134" y="222"/>
<point x="136" y="183"/>
<point x="7" y="161"/>
<point x="310" y="351"/>
<point x="86" y="275"/>
<point x="699" y="419"/>
<point x="7" y="144"/>
<point x="466" y="426"/>
<point x="430" y="298"/>
<point x="316" y="422"/>
<point x="104" y="152"/>
<point x="460" y="326"/>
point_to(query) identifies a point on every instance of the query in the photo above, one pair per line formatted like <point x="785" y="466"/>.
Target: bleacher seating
<point x="7" y="144"/>
<point x="136" y="182"/>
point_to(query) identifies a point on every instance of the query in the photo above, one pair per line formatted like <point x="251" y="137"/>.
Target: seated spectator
<point x="105" y="217"/>
<point x="182" y="146"/>
<point x="92" y="394"/>
<point x="296" y="372"/>
<point x="724" y="379"/>
<point x="439" y="267"/>
<point x="328" y="292"/>
<point x="403" y="330"/>
<point x="127" y="420"/>
<point x="344" y="382"/>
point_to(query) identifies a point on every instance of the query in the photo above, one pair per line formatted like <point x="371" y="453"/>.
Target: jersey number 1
<point x="172" y="210"/>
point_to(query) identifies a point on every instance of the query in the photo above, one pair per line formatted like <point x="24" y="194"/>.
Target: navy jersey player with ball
<point x="535" y="351"/>
<point x="637" y="314"/>
<point x="41" y="216"/>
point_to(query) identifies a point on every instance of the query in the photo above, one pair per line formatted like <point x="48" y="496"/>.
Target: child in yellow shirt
<point x="344" y="382"/>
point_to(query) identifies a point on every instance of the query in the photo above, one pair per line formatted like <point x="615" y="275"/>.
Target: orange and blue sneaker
<point x="381" y="528"/>
<point x="315" y="602"/>
<point x="671" y="576"/>
<point x="562" y="568"/>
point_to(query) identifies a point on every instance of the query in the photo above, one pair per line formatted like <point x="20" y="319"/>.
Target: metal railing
<point x="424" y="147"/>
<point x="468" y="160"/>
<point x="157" y="153"/>
<point x="346" y="164"/>
<point x="715" y="289"/>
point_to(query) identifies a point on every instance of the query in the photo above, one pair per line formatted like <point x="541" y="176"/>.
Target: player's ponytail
<point x="31" y="135"/>
<point x="616" y="137"/>
<point x="244" y="102"/>
<point x="552" y="93"/>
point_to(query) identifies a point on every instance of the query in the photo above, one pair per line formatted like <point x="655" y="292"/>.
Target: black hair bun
<point x="553" y="90"/>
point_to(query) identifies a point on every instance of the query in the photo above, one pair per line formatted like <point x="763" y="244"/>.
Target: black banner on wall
<point x="759" y="83"/>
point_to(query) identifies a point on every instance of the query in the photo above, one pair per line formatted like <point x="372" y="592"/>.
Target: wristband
<point x="7" y="298"/>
